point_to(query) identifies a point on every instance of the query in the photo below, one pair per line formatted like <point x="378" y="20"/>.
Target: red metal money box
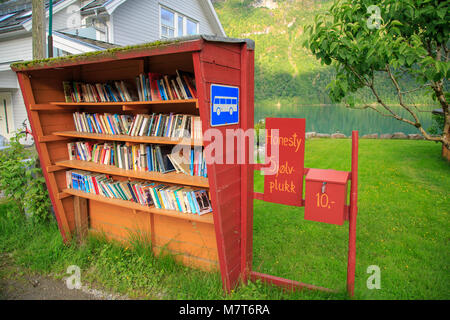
<point x="326" y="195"/>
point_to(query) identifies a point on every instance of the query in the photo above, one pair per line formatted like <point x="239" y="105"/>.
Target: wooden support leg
<point x="352" y="219"/>
<point x="81" y="217"/>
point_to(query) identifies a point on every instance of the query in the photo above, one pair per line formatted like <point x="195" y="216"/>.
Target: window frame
<point x="177" y="15"/>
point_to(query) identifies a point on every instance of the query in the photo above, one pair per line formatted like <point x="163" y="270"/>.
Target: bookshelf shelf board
<point x="206" y="218"/>
<point x="125" y="103"/>
<point x="127" y="138"/>
<point x="170" y="177"/>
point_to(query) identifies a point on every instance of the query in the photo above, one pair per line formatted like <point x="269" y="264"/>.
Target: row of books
<point x="151" y="87"/>
<point x="114" y="91"/>
<point x="156" y="87"/>
<point x="179" y="198"/>
<point x="140" y="157"/>
<point x="156" y="125"/>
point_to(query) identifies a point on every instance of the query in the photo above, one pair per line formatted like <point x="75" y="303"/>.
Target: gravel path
<point x="40" y="288"/>
<point x="17" y="284"/>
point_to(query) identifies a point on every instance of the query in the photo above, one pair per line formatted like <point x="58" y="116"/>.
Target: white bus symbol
<point x="224" y="104"/>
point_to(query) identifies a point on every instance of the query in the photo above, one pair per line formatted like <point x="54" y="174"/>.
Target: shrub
<point x="438" y="124"/>
<point x="22" y="181"/>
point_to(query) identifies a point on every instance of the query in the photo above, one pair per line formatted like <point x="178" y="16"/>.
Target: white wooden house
<point x="90" y="25"/>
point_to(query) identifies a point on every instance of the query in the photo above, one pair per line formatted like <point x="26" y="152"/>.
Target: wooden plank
<point x="130" y="219"/>
<point x="247" y="176"/>
<point x="225" y="190"/>
<point x="165" y="227"/>
<point x="58" y="151"/>
<point x="221" y="75"/>
<point x="222" y="57"/>
<point x="80" y="208"/>
<point x="54" y="168"/>
<point x="51" y="138"/>
<point x="180" y="257"/>
<point x="50" y="107"/>
<point x="126" y="70"/>
<point x="165" y="49"/>
<point x="199" y="234"/>
<point x="190" y="231"/>
<point x="206" y="218"/>
<point x="121" y="104"/>
<point x="188" y="260"/>
<point x="258" y="195"/>
<point x="126" y="138"/>
<point x="170" y="177"/>
<point x="286" y="284"/>
<point x="63" y="195"/>
<point x="44" y="96"/>
<point x="33" y="116"/>
<point x="168" y="64"/>
<point x="67" y="204"/>
<point x="171" y="244"/>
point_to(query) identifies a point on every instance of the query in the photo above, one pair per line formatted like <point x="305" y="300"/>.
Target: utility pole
<point x="50" y="29"/>
<point x="38" y="30"/>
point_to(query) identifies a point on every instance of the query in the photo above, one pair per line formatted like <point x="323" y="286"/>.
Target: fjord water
<point x="337" y="118"/>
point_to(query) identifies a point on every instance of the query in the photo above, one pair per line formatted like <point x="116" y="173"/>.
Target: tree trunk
<point x="445" y="150"/>
<point x="38" y="29"/>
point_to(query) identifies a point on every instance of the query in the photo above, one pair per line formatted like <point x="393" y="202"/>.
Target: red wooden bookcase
<point x="220" y="240"/>
<point x="212" y="241"/>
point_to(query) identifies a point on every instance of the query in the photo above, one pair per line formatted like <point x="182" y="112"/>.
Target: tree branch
<point x="400" y="98"/>
<point x="417" y="89"/>
<point x="424" y="133"/>
<point x="363" y="80"/>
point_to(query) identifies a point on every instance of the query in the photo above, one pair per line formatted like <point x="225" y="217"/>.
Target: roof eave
<point x="177" y="45"/>
<point x="12" y="31"/>
<point x="27" y="24"/>
<point x="219" y="26"/>
<point x="112" y="5"/>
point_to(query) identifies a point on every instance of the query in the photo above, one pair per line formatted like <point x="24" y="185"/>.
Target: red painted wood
<point x="247" y="118"/>
<point x="258" y="196"/>
<point x="286" y="186"/>
<point x="140" y="52"/>
<point x="228" y="64"/>
<point x="29" y="100"/>
<point x="347" y="213"/>
<point x="258" y="166"/>
<point x="326" y="203"/>
<point x="286" y="284"/>
<point x="350" y="214"/>
<point x="352" y="219"/>
<point x="212" y="172"/>
<point x="231" y="185"/>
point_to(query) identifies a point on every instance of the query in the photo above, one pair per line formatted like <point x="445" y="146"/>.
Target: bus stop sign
<point x="224" y="105"/>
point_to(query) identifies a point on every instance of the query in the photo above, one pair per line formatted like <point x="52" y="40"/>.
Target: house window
<point x="174" y="24"/>
<point x="191" y="27"/>
<point x="167" y="23"/>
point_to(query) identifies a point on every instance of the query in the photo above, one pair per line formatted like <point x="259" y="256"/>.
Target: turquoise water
<point x="335" y="118"/>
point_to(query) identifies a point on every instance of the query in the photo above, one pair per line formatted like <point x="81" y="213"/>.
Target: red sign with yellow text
<point x="284" y="184"/>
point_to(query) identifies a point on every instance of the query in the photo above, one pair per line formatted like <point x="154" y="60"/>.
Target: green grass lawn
<point x="403" y="228"/>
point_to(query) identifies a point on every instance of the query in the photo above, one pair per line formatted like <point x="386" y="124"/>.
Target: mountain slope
<point x="284" y="69"/>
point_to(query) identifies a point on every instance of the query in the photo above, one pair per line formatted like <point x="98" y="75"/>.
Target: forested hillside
<point x="284" y="69"/>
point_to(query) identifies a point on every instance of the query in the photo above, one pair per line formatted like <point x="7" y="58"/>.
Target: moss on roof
<point x="109" y="53"/>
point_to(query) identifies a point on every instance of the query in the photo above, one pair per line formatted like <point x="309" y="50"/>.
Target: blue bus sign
<point x="224" y="105"/>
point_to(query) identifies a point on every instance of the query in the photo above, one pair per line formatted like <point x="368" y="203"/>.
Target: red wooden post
<point x="352" y="219"/>
<point x="247" y="97"/>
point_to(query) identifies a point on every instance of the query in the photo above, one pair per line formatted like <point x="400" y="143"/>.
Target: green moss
<point x="109" y="53"/>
